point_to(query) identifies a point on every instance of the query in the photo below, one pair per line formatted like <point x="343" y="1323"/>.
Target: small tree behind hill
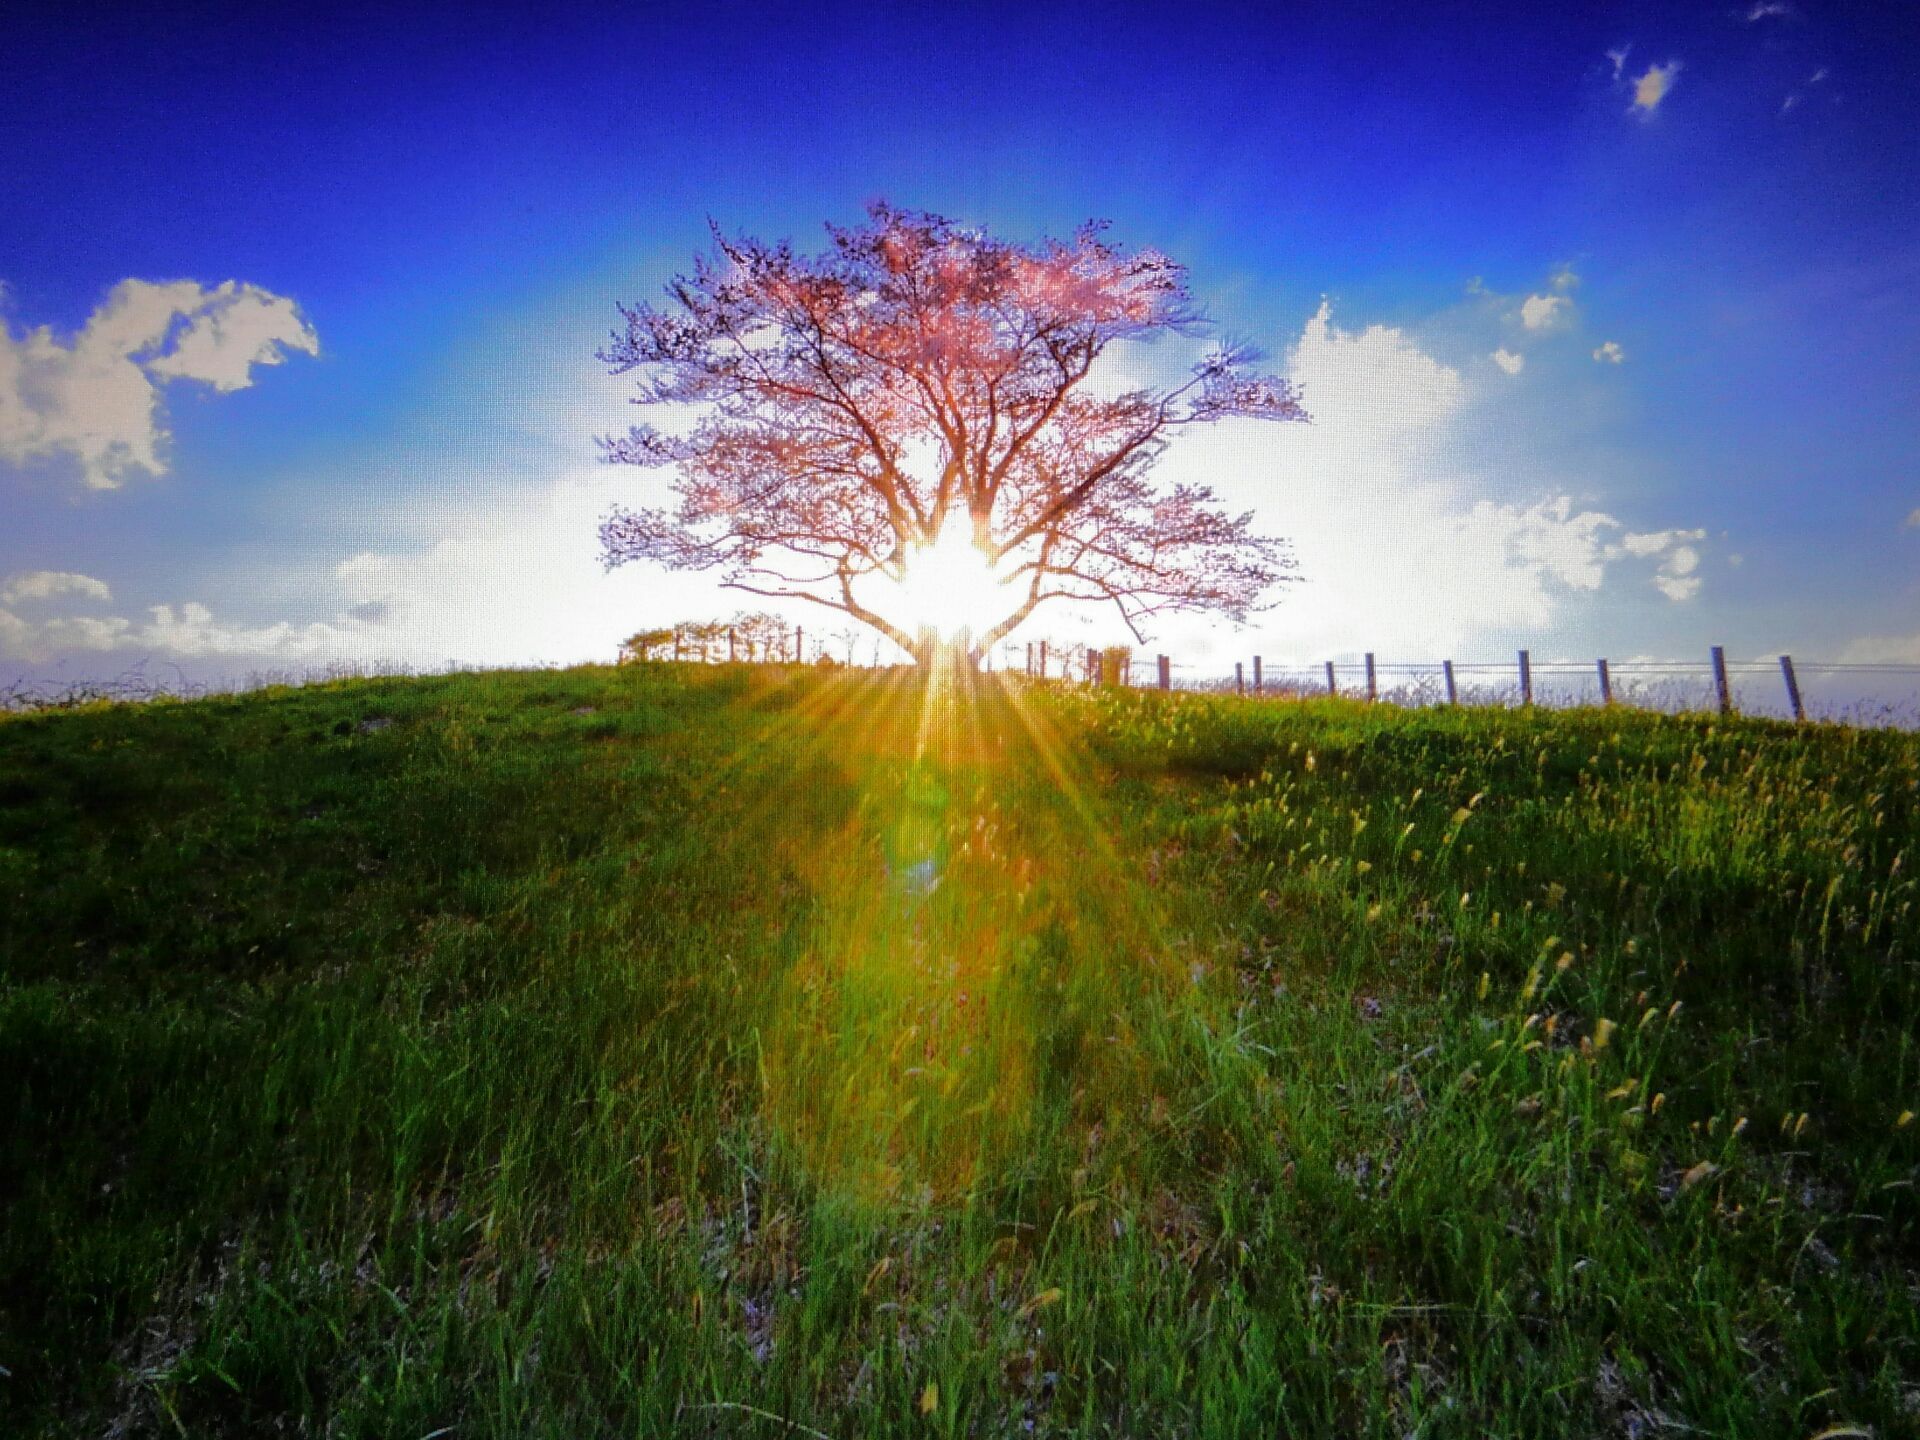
<point x="755" y="636"/>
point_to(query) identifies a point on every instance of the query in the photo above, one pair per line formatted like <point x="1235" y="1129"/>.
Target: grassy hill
<point x="751" y="1053"/>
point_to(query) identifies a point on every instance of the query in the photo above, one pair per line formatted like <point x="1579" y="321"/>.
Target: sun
<point x="950" y="586"/>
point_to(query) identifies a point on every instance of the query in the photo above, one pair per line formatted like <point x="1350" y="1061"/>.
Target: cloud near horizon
<point x="45" y="584"/>
<point x="186" y="631"/>
<point x="1406" y="543"/>
<point x="1882" y="650"/>
<point x="95" y="399"/>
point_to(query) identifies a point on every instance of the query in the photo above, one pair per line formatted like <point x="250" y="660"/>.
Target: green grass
<point x="588" y="1052"/>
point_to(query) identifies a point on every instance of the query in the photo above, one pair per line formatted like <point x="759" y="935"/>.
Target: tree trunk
<point x="954" y="654"/>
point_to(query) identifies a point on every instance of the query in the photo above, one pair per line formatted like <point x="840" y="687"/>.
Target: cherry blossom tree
<point x="902" y="428"/>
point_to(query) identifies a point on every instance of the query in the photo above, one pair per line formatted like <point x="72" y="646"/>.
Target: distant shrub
<point x="642" y="645"/>
<point x="746" y="636"/>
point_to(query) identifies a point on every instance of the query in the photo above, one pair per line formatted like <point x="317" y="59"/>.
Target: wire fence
<point x="1781" y="688"/>
<point x="1861" y="694"/>
<point x="142" y="684"/>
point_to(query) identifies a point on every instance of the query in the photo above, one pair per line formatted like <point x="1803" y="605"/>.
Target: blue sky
<point x="1606" y="355"/>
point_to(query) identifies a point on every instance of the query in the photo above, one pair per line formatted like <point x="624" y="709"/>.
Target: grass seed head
<point x="1697" y="1173"/>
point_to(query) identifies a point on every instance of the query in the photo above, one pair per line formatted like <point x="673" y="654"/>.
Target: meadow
<point x="756" y="1052"/>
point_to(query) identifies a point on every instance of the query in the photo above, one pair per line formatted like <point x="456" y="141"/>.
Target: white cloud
<point x="187" y="631"/>
<point x="1882" y="650"/>
<point x="1676" y="577"/>
<point x="1653" y="86"/>
<point x="1654" y="541"/>
<point x="1913" y="519"/>
<point x="228" y="332"/>
<point x="1765" y="9"/>
<point x="1547" y="539"/>
<point x="1610" y="352"/>
<point x="521" y="582"/>
<point x="1508" y="361"/>
<point x="1409" y="537"/>
<point x="45" y="584"/>
<point x="95" y="398"/>
<point x="15" y="635"/>
<point x="1377" y="380"/>
<point x="1794" y="98"/>
<point x="1543" y="312"/>
<point x="1619" y="59"/>
<point x="511" y="578"/>
<point x="1564" y="278"/>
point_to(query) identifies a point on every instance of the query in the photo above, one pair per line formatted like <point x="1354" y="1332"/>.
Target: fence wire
<point x="1856" y="693"/>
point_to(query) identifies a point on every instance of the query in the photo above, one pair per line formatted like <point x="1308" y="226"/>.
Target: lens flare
<point x="950" y="586"/>
<point x="973" y="910"/>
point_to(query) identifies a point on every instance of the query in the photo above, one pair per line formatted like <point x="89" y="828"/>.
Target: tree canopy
<point x="918" y="381"/>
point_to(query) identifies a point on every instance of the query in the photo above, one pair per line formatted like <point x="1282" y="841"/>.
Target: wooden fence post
<point x="1166" y="673"/>
<point x="731" y="647"/>
<point x="799" y="645"/>
<point x="1239" y="678"/>
<point x="1606" y="683"/>
<point x="1043" y="659"/>
<point x="1259" y="680"/>
<point x="1526" y="678"/>
<point x="1332" y="689"/>
<point x="1372" y="691"/>
<point x="1720" y="690"/>
<point x="1453" y="693"/>
<point x="1793" y="688"/>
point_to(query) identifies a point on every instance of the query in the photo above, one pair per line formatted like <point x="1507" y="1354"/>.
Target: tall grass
<point x="719" y="1051"/>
